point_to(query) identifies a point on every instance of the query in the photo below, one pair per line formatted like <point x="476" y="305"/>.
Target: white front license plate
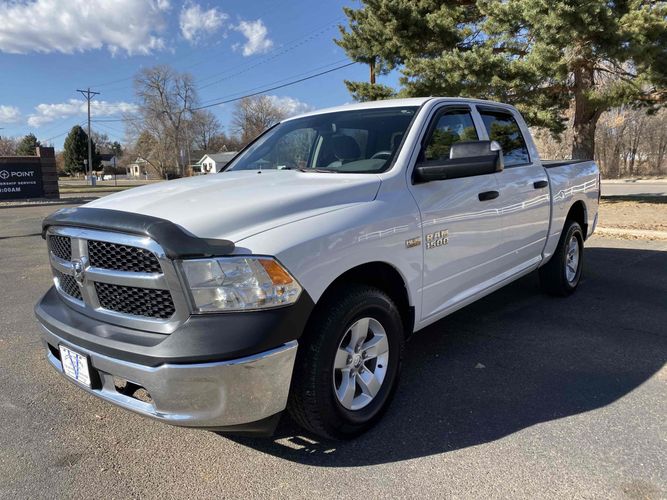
<point x="75" y="365"/>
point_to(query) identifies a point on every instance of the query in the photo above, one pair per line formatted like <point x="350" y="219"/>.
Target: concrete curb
<point x="640" y="234"/>
<point x="48" y="203"/>
<point x="661" y="180"/>
<point x="641" y="198"/>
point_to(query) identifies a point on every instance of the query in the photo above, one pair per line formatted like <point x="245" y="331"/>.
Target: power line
<point x="55" y="125"/>
<point x="61" y="134"/>
<point x="113" y="133"/>
<point x="225" y="100"/>
<point x="297" y="75"/>
<point x="294" y="82"/>
<point x="290" y="46"/>
<point x="111" y="120"/>
<point x="183" y="56"/>
<point x="109" y="128"/>
<point x="56" y="136"/>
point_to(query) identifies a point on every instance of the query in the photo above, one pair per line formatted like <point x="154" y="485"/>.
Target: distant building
<point x="195" y="156"/>
<point x="107" y="160"/>
<point x="139" y="168"/>
<point x="213" y="163"/>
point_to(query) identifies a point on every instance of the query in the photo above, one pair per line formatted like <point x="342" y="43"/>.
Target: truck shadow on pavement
<point x="512" y="360"/>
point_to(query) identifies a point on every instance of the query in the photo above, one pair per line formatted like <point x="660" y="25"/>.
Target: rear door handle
<point x="540" y="184"/>
<point x="488" y="195"/>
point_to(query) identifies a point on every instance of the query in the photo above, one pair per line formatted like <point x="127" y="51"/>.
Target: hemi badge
<point x="414" y="242"/>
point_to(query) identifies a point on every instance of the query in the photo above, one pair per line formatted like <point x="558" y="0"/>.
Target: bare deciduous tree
<point x="8" y="146"/>
<point x="656" y="142"/>
<point x="253" y="115"/>
<point x="166" y="98"/>
<point x="102" y="141"/>
<point x="629" y="142"/>
<point x="204" y="130"/>
<point x="156" y="151"/>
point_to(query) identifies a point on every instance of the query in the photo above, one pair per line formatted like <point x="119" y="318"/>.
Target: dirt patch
<point x="640" y="215"/>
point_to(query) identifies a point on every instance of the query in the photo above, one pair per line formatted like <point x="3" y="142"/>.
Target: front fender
<point x="319" y="249"/>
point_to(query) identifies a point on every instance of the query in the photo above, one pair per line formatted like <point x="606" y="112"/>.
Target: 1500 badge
<point x="437" y="239"/>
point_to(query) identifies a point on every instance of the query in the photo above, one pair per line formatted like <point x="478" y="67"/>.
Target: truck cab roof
<point x="397" y="103"/>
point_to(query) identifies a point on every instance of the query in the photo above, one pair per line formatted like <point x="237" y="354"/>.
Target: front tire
<point x="348" y="363"/>
<point x="561" y="275"/>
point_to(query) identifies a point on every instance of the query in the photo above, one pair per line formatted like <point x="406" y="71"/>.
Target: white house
<point x="138" y="168"/>
<point x="213" y="162"/>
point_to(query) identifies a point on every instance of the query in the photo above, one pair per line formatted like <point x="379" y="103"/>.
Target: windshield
<point x="361" y="141"/>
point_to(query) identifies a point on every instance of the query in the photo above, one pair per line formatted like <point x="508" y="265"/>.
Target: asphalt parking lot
<point x="519" y="395"/>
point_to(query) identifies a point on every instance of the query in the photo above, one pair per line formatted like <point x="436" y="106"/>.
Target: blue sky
<point x="50" y="48"/>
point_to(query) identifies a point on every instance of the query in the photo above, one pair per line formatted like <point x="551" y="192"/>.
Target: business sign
<point x="21" y="180"/>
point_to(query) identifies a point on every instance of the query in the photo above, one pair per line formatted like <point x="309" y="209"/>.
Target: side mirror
<point x="466" y="159"/>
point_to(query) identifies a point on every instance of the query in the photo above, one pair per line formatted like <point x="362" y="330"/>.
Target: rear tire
<point x="561" y="275"/>
<point x="348" y="363"/>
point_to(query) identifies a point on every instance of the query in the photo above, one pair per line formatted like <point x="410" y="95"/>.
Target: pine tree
<point x="117" y="149"/>
<point x="541" y="55"/>
<point x="28" y="145"/>
<point x="76" y="150"/>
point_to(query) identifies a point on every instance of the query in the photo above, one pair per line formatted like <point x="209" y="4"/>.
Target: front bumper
<point x="211" y="395"/>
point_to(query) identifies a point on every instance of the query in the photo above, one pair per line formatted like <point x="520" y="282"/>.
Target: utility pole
<point x="88" y="94"/>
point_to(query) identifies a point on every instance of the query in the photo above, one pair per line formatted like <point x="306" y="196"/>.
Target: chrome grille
<point x="135" y="301"/>
<point x="107" y="255"/>
<point x="67" y="284"/>
<point x="117" y="278"/>
<point x="61" y="246"/>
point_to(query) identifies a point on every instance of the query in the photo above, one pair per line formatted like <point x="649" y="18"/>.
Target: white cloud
<point x="9" y="114"/>
<point x="196" y="22"/>
<point x="256" y="34"/>
<point x="130" y="26"/>
<point x="291" y="105"/>
<point x="46" y="113"/>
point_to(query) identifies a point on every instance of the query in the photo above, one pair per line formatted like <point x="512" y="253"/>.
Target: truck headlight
<point x="239" y="283"/>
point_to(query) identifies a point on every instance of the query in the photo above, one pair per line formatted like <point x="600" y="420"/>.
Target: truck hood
<point x="235" y="205"/>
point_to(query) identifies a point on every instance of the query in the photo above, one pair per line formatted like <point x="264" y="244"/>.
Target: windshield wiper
<point x="320" y="170"/>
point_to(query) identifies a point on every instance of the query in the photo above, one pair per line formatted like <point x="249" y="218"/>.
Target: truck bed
<point x="571" y="181"/>
<point x="560" y="163"/>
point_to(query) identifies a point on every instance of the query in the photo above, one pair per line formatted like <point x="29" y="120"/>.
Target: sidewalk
<point x="657" y="180"/>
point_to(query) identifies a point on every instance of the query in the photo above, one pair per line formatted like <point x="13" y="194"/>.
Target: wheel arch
<point x="381" y="275"/>
<point x="578" y="214"/>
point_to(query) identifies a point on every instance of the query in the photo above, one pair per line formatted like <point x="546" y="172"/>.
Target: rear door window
<point x="503" y="128"/>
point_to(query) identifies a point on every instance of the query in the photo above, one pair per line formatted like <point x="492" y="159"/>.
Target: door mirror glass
<point x="466" y="159"/>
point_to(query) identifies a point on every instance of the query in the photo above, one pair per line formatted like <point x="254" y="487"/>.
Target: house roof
<point x="106" y="156"/>
<point x="197" y="154"/>
<point x="223" y="157"/>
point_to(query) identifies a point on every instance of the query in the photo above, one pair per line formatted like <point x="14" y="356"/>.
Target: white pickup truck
<point x="292" y="279"/>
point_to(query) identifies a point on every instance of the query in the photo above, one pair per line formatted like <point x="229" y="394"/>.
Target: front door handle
<point x="488" y="195"/>
<point x="540" y="184"/>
